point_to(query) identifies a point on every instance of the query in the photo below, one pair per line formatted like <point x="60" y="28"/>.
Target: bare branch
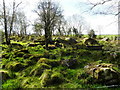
<point x="18" y="4"/>
<point x="37" y="12"/>
<point x="99" y="3"/>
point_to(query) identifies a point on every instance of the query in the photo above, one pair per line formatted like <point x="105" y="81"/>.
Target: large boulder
<point x="103" y="73"/>
<point x="66" y="42"/>
<point x="72" y="41"/>
<point x="91" y="41"/>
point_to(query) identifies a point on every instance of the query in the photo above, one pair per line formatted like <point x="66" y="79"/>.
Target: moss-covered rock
<point x="14" y="66"/>
<point x="50" y="62"/>
<point x="70" y="63"/>
<point x="56" y="78"/>
<point x="36" y="57"/>
<point x="91" y="41"/>
<point x="5" y="74"/>
<point x="103" y="73"/>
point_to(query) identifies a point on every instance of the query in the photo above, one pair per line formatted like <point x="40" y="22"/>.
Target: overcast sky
<point x="102" y="24"/>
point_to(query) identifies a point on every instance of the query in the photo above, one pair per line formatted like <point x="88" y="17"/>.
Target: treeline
<point x="50" y="21"/>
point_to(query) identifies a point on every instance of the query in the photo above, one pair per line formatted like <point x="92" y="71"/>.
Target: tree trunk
<point x="5" y="24"/>
<point x="48" y="37"/>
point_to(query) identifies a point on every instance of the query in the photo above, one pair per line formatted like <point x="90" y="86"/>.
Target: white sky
<point x="101" y="24"/>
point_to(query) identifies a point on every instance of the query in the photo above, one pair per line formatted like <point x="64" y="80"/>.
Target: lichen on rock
<point x="103" y="73"/>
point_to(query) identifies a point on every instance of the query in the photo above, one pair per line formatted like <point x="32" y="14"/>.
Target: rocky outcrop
<point x="69" y="41"/>
<point x="91" y="41"/>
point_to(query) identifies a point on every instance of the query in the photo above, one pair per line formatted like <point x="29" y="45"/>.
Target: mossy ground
<point x="36" y="67"/>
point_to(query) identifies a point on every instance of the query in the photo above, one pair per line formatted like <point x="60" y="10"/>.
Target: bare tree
<point x="9" y="20"/>
<point x="21" y="23"/>
<point x="38" y="27"/>
<point x="77" y="23"/>
<point x="5" y="23"/>
<point x="60" y="27"/>
<point x="48" y="12"/>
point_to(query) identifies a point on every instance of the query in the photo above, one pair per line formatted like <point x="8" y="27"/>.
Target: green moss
<point x="116" y="69"/>
<point x="39" y="68"/>
<point x="56" y="78"/>
<point x="11" y="84"/>
<point x="14" y="66"/>
<point x="50" y="62"/>
<point x="5" y="55"/>
<point x="45" y="78"/>
<point x="6" y="74"/>
<point x="26" y="71"/>
<point x="27" y="56"/>
<point x="36" y="57"/>
<point x="36" y="67"/>
<point x="19" y="54"/>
